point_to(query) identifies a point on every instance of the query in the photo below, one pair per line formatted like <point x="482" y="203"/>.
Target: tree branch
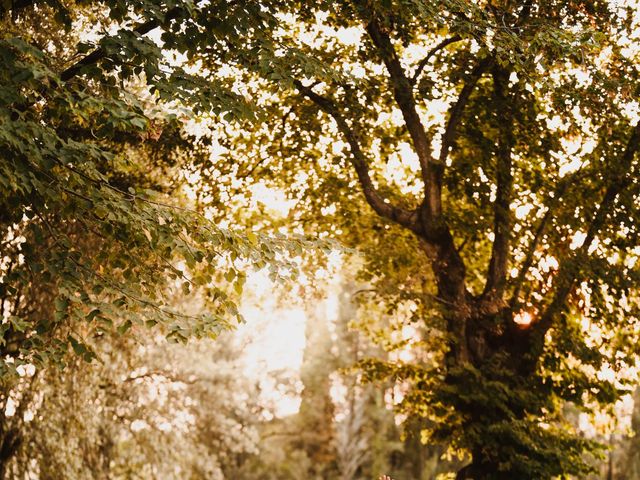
<point x="571" y="268"/>
<point x="423" y="63"/>
<point x="403" y="95"/>
<point x="434" y="234"/>
<point x="497" y="272"/>
<point x="381" y="206"/>
<point x="14" y="6"/>
<point x="99" y="53"/>
<point x="456" y="110"/>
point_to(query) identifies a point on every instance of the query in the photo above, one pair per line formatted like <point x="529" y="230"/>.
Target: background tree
<point x="367" y="439"/>
<point x="317" y="411"/>
<point x="136" y="416"/>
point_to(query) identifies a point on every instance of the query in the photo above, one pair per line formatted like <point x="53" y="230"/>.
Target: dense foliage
<point x="95" y="223"/>
<point x="97" y="233"/>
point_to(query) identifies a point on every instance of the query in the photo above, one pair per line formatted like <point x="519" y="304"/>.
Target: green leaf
<point x="124" y="327"/>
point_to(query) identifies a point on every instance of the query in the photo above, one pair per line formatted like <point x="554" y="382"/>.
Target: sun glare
<point x="523" y="318"/>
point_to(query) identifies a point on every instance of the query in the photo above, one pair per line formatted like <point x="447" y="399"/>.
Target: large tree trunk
<point x="482" y="468"/>
<point x="493" y="355"/>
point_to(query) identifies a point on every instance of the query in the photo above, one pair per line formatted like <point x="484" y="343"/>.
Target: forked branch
<point x="457" y="108"/>
<point x="403" y="95"/>
<point x="498" y="264"/>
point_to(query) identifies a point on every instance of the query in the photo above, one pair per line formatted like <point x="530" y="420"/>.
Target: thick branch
<point x="359" y="161"/>
<point x="524" y="14"/>
<point x="497" y="272"/>
<point x="403" y="94"/>
<point x="14" y="6"/>
<point x="18" y="4"/>
<point x="423" y="63"/>
<point x="434" y="233"/>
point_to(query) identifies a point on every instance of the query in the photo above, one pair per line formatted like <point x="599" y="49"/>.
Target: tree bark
<point x="11" y="440"/>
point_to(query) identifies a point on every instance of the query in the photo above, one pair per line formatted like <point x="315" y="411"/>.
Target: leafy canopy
<point x="96" y="230"/>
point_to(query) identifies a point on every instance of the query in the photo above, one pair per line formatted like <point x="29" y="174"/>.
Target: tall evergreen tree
<point x="316" y="415"/>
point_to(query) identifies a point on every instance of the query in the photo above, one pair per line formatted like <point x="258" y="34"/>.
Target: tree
<point x="96" y="231"/>
<point x="317" y="411"/>
<point x="151" y="409"/>
<point x="510" y="221"/>
<point x="366" y="434"/>
<point x="623" y="461"/>
<point x="94" y="225"/>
